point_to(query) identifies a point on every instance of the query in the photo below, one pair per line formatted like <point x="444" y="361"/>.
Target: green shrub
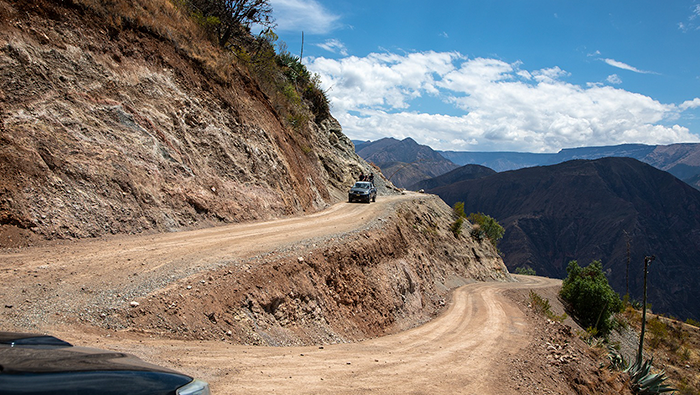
<point x="590" y="298"/>
<point x="542" y="306"/>
<point x="456" y="226"/>
<point x="526" y="270"/>
<point x="304" y="82"/>
<point x="658" y="331"/>
<point x="489" y="226"/>
<point x="317" y="99"/>
<point x="458" y="209"/>
<point x="692" y="322"/>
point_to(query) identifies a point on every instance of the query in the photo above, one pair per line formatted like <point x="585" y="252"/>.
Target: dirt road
<point x="52" y="284"/>
<point x="465" y="350"/>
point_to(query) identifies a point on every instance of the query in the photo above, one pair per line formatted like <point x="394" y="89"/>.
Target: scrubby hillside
<point x="125" y="116"/>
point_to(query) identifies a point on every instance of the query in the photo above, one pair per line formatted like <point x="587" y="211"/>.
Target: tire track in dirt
<point x="466" y="350"/>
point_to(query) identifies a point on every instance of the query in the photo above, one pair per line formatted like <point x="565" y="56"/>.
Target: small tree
<point x="459" y="209"/>
<point x="233" y="14"/>
<point x="456" y="226"/>
<point x="525" y="270"/>
<point x="589" y="296"/>
<point x="488" y="226"/>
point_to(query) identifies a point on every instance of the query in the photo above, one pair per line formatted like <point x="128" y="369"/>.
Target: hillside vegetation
<point x="128" y="116"/>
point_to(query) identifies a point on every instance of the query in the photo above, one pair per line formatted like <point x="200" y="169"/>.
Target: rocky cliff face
<point x="110" y="125"/>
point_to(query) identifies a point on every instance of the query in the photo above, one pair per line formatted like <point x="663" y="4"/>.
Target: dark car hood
<point x="32" y="353"/>
<point x="46" y="365"/>
<point x="53" y="359"/>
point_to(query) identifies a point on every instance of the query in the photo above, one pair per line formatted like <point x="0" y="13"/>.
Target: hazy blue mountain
<point x="503" y="161"/>
<point x="681" y="160"/>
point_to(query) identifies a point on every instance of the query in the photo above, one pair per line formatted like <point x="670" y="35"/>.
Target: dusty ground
<point x="63" y="279"/>
<point x="468" y="349"/>
<point x="486" y="341"/>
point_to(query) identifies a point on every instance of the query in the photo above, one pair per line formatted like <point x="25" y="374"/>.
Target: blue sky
<point x="528" y="76"/>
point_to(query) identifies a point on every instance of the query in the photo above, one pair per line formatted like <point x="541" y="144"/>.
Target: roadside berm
<point x="394" y="274"/>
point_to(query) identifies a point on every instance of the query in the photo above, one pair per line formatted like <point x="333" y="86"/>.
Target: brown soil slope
<point x="351" y="272"/>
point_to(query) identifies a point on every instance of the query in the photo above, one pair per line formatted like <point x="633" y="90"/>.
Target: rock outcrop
<point x="110" y="128"/>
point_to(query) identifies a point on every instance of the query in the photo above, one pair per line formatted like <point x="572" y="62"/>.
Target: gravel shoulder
<point x="54" y="284"/>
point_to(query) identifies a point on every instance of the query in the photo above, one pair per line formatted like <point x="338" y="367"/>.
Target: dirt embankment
<point x="388" y="277"/>
<point x="354" y="271"/>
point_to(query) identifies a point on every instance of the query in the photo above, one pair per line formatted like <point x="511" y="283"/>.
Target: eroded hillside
<point x="121" y="118"/>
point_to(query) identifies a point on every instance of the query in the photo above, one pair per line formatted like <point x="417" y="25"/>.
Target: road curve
<point x="465" y="350"/>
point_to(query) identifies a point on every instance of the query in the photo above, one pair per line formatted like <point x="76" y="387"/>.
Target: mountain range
<point x="404" y="162"/>
<point x="409" y="162"/>
<point x="588" y="210"/>
<point x="681" y="160"/>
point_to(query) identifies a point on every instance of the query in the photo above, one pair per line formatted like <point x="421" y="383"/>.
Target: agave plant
<point x="644" y="382"/>
<point x="617" y="361"/>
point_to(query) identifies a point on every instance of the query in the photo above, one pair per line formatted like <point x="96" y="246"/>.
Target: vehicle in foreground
<point x="40" y="364"/>
<point x="363" y="191"/>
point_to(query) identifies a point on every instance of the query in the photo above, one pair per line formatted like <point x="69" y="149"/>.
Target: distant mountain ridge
<point x="404" y="162"/>
<point x="588" y="209"/>
<point x="681" y="160"/>
<point x="466" y="172"/>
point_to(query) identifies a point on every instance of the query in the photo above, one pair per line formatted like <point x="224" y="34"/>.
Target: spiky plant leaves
<point x="643" y="382"/>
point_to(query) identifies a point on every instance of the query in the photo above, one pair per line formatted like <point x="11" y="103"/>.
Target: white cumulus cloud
<point x="488" y="104"/>
<point x="614" y="79"/>
<point x="688" y="104"/>
<point x="334" y="46"/>
<point x="303" y="15"/>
